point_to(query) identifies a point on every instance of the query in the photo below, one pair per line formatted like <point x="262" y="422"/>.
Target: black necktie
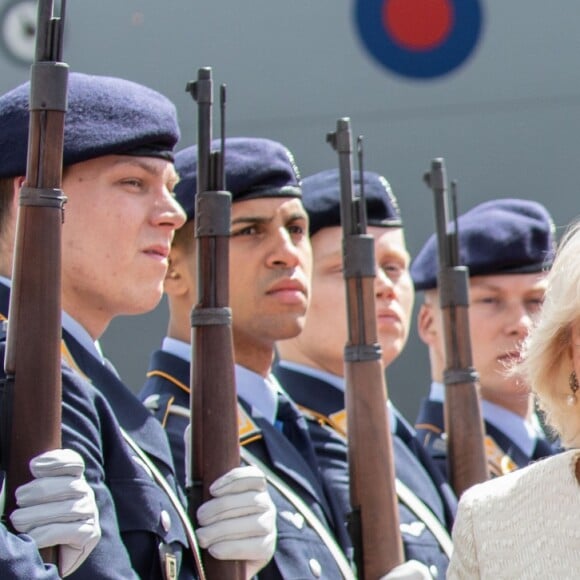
<point x="293" y="425"/>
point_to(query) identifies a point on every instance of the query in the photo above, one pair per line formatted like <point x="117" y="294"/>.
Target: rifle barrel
<point x="33" y="389"/>
<point x="374" y="524"/>
<point x="214" y="417"/>
<point x="466" y="457"/>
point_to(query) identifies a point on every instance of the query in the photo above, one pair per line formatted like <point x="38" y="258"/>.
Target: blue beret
<point x="503" y="236"/>
<point x="321" y="199"/>
<point x="254" y="168"/>
<point x="105" y="116"/>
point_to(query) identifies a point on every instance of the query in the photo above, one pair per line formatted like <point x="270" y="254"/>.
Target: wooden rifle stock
<point x="214" y="418"/>
<point x="33" y="389"/>
<point x="374" y="521"/>
<point x="467" y="463"/>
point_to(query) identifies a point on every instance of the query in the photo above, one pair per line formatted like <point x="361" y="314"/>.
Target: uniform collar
<point x="258" y="392"/>
<point x="177" y="348"/>
<point x="73" y="328"/>
<point x="516" y="428"/>
<point x="79" y="333"/>
<point x="335" y="381"/>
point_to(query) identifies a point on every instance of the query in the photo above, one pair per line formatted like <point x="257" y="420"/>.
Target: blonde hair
<point x="546" y="362"/>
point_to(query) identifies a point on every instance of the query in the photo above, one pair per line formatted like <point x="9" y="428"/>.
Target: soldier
<point x="507" y="245"/>
<point x="270" y="263"/>
<point x="311" y="365"/>
<point x="120" y="220"/>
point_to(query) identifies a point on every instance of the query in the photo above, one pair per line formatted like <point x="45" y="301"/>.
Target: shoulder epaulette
<point x="160" y="405"/>
<point x="428" y="427"/>
<point x="248" y="430"/>
<point x="336" y="421"/>
<point x="170" y="378"/>
<point x="498" y="461"/>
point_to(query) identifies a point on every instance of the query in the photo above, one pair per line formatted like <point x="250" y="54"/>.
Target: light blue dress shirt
<point x="520" y="431"/>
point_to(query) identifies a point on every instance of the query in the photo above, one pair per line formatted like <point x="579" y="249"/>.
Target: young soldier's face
<point x="119" y="223"/>
<point x="325" y="333"/>
<point x="501" y="312"/>
<point x="270" y="267"/>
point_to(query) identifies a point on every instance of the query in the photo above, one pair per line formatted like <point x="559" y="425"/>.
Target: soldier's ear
<point x="17" y="184"/>
<point x="174" y="283"/>
<point x="426" y="324"/>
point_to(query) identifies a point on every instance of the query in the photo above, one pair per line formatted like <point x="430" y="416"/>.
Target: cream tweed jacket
<point x="524" y="525"/>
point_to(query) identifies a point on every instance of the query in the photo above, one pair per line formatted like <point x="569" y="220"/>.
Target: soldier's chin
<point x="290" y="328"/>
<point x="391" y="339"/>
<point x="144" y="303"/>
<point x="391" y="353"/>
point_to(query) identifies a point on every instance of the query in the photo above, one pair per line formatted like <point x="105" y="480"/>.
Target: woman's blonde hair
<point x="546" y="362"/>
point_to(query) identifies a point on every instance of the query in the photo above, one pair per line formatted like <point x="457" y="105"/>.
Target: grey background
<point x="507" y="121"/>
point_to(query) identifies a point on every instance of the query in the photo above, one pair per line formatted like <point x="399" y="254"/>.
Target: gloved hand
<point x="239" y="523"/>
<point x="58" y="508"/>
<point x="410" y="570"/>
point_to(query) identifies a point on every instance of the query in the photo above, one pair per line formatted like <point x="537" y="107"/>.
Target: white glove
<point x="58" y="508"/>
<point x="410" y="570"/>
<point x="239" y="523"/>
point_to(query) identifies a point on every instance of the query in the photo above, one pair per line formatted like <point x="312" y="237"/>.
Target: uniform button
<point x="434" y="571"/>
<point x="315" y="568"/>
<point x="165" y="520"/>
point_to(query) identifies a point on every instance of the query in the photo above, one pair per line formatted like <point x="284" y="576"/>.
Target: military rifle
<point x="374" y="521"/>
<point x="214" y="418"/>
<point x="31" y="413"/>
<point x="467" y="464"/>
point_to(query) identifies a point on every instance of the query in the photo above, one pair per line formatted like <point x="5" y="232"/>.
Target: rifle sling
<point x="162" y="482"/>
<point x="294" y="499"/>
<point x="405" y="495"/>
<point x="306" y="512"/>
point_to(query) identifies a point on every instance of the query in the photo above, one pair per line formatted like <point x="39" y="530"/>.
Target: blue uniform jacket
<point x="503" y="454"/>
<point x="412" y="466"/>
<point x="144" y="514"/>
<point x="136" y="516"/>
<point x="19" y="558"/>
<point x="299" y="551"/>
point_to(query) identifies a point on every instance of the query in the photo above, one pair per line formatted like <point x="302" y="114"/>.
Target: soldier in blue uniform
<point x="119" y="223"/>
<point x="507" y="245"/>
<point x="311" y="365"/>
<point x="270" y="265"/>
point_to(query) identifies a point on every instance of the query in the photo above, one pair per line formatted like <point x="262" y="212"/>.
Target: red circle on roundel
<point x="418" y="24"/>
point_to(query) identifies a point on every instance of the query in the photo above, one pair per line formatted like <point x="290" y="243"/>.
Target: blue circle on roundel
<point x="433" y="62"/>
